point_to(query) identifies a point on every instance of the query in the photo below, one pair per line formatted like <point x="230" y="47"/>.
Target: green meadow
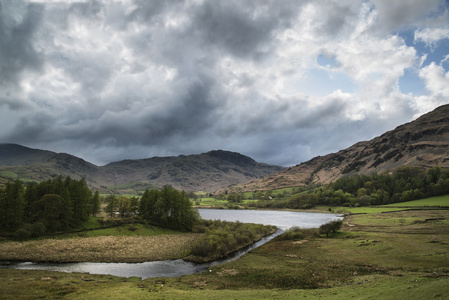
<point x="440" y="201"/>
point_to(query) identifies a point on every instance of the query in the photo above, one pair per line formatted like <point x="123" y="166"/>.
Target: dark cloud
<point x="135" y="79"/>
<point x="18" y="23"/>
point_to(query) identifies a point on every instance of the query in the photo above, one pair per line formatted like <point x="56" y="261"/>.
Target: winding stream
<point x="172" y="268"/>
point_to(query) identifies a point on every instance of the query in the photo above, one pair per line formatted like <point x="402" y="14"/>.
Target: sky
<point x="280" y="81"/>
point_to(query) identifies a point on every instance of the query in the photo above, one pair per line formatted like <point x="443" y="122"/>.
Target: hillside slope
<point x="423" y="142"/>
<point x="18" y="161"/>
<point x="207" y="172"/>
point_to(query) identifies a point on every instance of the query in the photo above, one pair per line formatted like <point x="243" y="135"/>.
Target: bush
<point x="221" y="238"/>
<point x="132" y="227"/>
<point x="38" y="229"/>
<point x="331" y="227"/>
<point x="22" y="234"/>
<point x="293" y="233"/>
<point x="199" y="228"/>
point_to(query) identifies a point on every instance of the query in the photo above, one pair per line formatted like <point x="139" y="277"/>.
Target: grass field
<point x="389" y="255"/>
<point x="440" y="201"/>
<point x="8" y="174"/>
<point x="358" y="210"/>
<point x="210" y="202"/>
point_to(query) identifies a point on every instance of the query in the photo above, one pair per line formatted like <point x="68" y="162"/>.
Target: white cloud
<point x="436" y="80"/>
<point x="430" y="36"/>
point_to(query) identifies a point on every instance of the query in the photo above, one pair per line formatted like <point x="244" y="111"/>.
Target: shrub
<point x="22" y="234"/>
<point x="199" y="228"/>
<point x="132" y="227"/>
<point x="221" y="238"/>
<point x="38" y="229"/>
<point x="331" y="227"/>
<point x="293" y="233"/>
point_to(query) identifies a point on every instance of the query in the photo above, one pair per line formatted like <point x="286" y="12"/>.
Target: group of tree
<point x="168" y="207"/>
<point x="49" y="206"/>
<point x="61" y="205"/>
<point x="403" y="184"/>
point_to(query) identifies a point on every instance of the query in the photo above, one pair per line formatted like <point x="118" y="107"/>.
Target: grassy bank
<point x="393" y="255"/>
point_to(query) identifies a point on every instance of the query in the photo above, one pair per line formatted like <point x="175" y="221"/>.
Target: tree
<point x="12" y="205"/>
<point x="122" y="205"/>
<point x="235" y="198"/>
<point x="95" y="204"/>
<point x="111" y="206"/>
<point x="168" y="207"/>
<point x="52" y="211"/>
<point x="331" y="227"/>
<point x="134" y="205"/>
<point x="80" y="195"/>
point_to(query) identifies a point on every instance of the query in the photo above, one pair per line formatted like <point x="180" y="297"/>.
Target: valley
<point x="393" y="192"/>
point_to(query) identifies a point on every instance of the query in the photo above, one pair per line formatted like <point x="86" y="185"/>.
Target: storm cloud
<point x="280" y="81"/>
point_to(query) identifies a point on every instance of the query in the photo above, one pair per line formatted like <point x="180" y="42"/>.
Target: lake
<point x="172" y="268"/>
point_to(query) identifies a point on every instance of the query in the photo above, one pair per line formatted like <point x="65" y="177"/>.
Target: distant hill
<point x="29" y="164"/>
<point x="12" y="154"/>
<point x="423" y="142"/>
<point x="206" y="172"/>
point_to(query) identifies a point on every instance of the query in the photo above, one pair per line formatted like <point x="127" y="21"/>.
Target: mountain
<point x="18" y="161"/>
<point x="12" y="154"/>
<point x="207" y="172"/>
<point x="423" y="142"/>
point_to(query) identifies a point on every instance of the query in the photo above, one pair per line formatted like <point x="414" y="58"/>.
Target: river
<point x="172" y="268"/>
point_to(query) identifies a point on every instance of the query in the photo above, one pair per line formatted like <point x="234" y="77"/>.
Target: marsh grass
<point x="125" y="230"/>
<point x="130" y="249"/>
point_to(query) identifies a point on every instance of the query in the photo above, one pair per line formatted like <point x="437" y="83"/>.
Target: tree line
<point x="60" y="205"/>
<point x="401" y="185"/>
<point x="49" y="206"/>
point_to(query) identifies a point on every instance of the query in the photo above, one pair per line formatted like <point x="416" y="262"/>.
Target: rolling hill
<point x="423" y="142"/>
<point x="206" y="172"/>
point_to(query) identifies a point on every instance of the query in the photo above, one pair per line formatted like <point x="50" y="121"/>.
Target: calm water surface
<point x="179" y="267"/>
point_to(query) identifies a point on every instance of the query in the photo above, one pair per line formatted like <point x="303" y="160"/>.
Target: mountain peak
<point x="232" y="157"/>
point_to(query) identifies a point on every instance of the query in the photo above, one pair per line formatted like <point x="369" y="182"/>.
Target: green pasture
<point x="441" y="201"/>
<point x="8" y="174"/>
<point x="210" y="202"/>
<point x="358" y="210"/>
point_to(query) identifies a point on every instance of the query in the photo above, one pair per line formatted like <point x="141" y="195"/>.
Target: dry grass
<point x="130" y="249"/>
